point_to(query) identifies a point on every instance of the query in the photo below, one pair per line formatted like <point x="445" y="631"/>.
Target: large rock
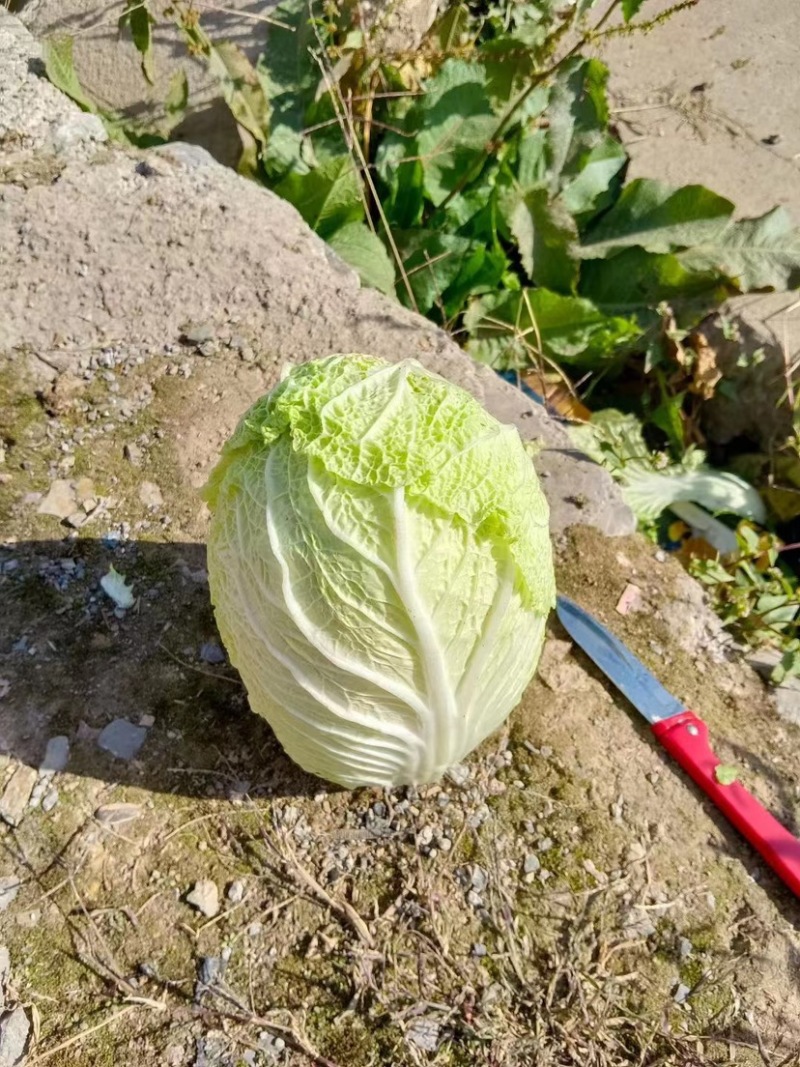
<point x="132" y="247"/>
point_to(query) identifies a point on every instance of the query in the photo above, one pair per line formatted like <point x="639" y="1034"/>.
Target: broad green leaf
<point x="577" y="114"/>
<point x="61" y="71"/>
<point x="328" y="197"/>
<point x="240" y="87"/>
<point x="546" y="237"/>
<point x="432" y="262"/>
<point x="508" y="66"/>
<point x="658" y="218"/>
<point x="636" y="279"/>
<point x="762" y="253"/>
<point x="289" y="76"/>
<point x="512" y="330"/>
<point x="177" y="94"/>
<point x="630" y="8"/>
<point x="403" y="179"/>
<point x="364" y="251"/>
<point x="443" y="269"/>
<point x="596" y="173"/>
<point x="532" y="159"/>
<point x="456" y="124"/>
<point x="140" y="21"/>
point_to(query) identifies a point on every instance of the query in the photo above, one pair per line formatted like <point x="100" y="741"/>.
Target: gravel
<point x="9" y="887"/>
<point x="204" y="896"/>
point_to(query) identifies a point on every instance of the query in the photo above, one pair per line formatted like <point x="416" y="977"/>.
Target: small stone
<point x="56" y="755"/>
<point x="150" y="495"/>
<point x="545" y="844"/>
<point x="474" y="899"/>
<point x="116" y="814"/>
<point x="60" y="500"/>
<point x="133" y="454"/>
<point x="236" y="891"/>
<point x="681" y="994"/>
<point x="531" y="863"/>
<point x="50" y="800"/>
<point x="197" y="333"/>
<point x="255" y="929"/>
<point x="9" y="887"/>
<point x="424" y="1034"/>
<point x="479" y="950"/>
<point x="14" y="1031"/>
<point x="205" y="897"/>
<point x="175" y="1055"/>
<point x="147" y="721"/>
<point x="458" y="774"/>
<point x="17" y="794"/>
<point x="479" y="878"/>
<point x="76" y="519"/>
<point x="211" y="652"/>
<point x="685" y="948"/>
<point x="122" y="739"/>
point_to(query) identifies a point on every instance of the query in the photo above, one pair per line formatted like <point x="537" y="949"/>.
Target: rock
<point x="531" y="863"/>
<point x="205" y="897"/>
<point x="5" y="969"/>
<point x="14" y="1031"/>
<point x="56" y="755"/>
<point x="211" y="652"/>
<point x="150" y="495"/>
<point x="236" y="891"/>
<point x="50" y="800"/>
<point x="17" y="794"/>
<point x="685" y="948"/>
<point x="786" y="696"/>
<point x="681" y="994"/>
<point x="479" y="879"/>
<point x="459" y="774"/>
<point x="117" y="814"/>
<point x="122" y="739"/>
<point x="423" y="1033"/>
<point x="60" y="500"/>
<point x="9" y="887"/>
<point x="133" y="454"/>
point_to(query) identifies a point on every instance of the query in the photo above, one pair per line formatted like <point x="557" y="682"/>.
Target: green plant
<point x="756" y="598"/>
<point x="380" y="567"/>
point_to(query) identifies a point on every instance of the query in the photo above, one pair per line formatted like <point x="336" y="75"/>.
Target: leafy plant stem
<point x="471" y="173"/>
<point x="351" y="136"/>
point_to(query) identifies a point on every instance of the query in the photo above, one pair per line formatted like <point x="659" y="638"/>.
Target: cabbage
<point x="380" y="567"/>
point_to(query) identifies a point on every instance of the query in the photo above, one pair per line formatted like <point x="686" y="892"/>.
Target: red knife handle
<point x="685" y="737"/>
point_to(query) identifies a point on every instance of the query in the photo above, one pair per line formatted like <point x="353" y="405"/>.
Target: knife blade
<point x="685" y="737"/>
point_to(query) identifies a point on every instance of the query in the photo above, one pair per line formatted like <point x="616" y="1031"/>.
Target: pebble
<point x="205" y="897"/>
<point x="479" y="950"/>
<point x="17" y="794"/>
<point x="56" y="755"/>
<point x="50" y="800"/>
<point x="122" y="739"/>
<point x="681" y="994"/>
<point x="685" y="948"/>
<point x="458" y="774"/>
<point x="133" y="454"/>
<point x="14" y="1032"/>
<point x="117" y="814"/>
<point x="60" y="500"/>
<point x="211" y="652"/>
<point x="531" y="863"/>
<point x="545" y="844"/>
<point x="423" y="1033"/>
<point x="150" y="495"/>
<point x="236" y="891"/>
<point x="9" y="887"/>
<point x="479" y="878"/>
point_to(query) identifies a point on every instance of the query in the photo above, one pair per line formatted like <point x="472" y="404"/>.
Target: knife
<point x="685" y="737"/>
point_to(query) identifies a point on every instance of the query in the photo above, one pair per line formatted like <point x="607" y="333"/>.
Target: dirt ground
<point x="565" y="897"/>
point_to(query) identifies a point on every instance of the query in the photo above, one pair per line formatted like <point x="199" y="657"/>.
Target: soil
<point x="565" y="897"/>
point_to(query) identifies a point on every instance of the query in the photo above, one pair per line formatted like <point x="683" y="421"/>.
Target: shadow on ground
<point x="70" y="664"/>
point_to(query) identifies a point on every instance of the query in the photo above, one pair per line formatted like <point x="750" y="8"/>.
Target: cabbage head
<point x="380" y="566"/>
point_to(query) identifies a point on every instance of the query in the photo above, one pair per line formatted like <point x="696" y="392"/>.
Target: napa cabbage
<point x="380" y="567"/>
